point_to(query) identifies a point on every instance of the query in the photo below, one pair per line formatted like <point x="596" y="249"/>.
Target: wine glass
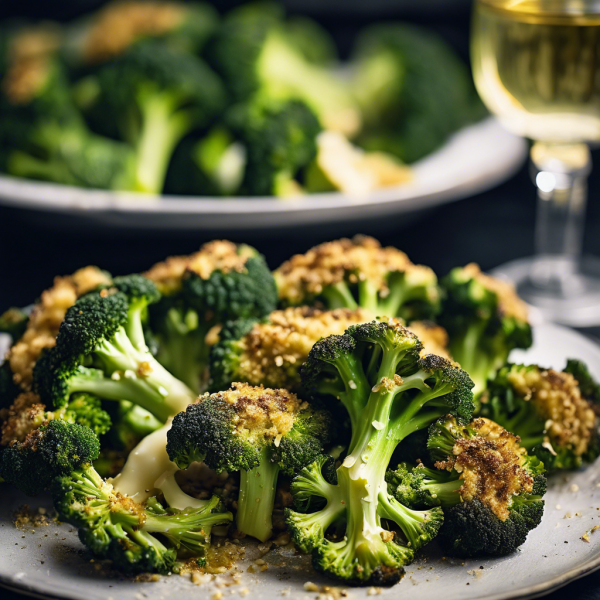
<point x="536" y="65"/>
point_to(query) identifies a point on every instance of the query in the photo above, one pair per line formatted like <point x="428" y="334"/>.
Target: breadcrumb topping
<point x="46" y="317"/>
<point x="218" y="255"/>
<point x="120" y="24"/>
<point x="262" y="411"/>
<point x="570" y="418"/>
<point x="509" y="302"/>
<point x="491" y="467"/>
<point x="272" y="352"/>
<point x="433" y="337"/>
<point x="352" y="260"/>
<point x="26" y="414"/>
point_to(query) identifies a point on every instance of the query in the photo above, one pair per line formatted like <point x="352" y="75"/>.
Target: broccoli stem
<point x="162" y="126"/>
<point x="135" y="376"/>
<point x="257" y="497"/>
<point x="446" y="494"/>
<point x="339" y="295"/>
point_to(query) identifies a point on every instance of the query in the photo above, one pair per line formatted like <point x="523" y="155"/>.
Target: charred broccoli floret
<point x="137" y="538"/>
<point x="270" y="352"/>
<point x="256" y="431"/>
<point x="485" y="320"/>
<point x="413" y="91"/>
<point x="375" y="371"/>
<point x="359" y="273"/>
<point x="491" y="491"/>
<point x="221" y="282"/>
<point x="54" y="449"/>
<point x="101" y="350"/>
<point x="548" y="410"/>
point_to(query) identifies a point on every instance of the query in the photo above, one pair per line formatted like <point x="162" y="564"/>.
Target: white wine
<point x="536" y="65"/>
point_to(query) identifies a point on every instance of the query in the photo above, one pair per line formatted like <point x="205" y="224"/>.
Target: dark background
<point x="490" y="228"/>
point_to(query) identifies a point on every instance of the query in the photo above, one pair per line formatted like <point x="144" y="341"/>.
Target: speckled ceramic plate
<point x="49" y="561"/>
<point x="475" y="159"/>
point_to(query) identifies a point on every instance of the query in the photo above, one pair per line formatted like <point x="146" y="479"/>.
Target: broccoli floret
<point x="256" y="431"/>
<point x="254" y="54"/>
<point x="100" y="350"/>
<point x="485" y="320"/>
<point x="201" y="292"/>
<point x="588" y="386"/>
<point x="53" y="450"/>
<point x="270" y="352"/>
<point x="130" y="423"/>
<point x="548" y="411"/>
<point x="154" y="95"/>
<point x="14" y="322"/>
<point x="413" y="90"/>
<point x="389" y="392"/>
<point x="359" y="273"/>
<point x="137" y="538"/>
<point x="491" y="491"/>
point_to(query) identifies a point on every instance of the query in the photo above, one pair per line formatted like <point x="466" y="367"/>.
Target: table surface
<point x="490" y="229"/>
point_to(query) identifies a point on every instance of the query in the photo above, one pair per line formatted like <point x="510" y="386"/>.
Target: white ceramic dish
<point x="475" y="159"/>
<point x="50" y="561"/>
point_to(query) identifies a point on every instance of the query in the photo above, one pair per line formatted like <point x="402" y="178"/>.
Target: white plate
<point x="475" y="159"/>
<point x="51" y="561"/>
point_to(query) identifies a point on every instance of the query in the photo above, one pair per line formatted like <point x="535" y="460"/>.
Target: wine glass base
<point x="577" y="306"/>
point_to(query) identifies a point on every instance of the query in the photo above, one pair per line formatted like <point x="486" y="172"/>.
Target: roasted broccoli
<point x="359" y="273"/>
<point x="137" y="538"/>
<point x="270" y="352"/>
<point x="485" y="320"/>
<point x="413" y="91"/>
<point x="219" y="283"/>
<point x="101" y="350"/>
<point x="491" y="491"/>
<point x="14" y="322"/>
<point x="375" y="371"/>
<point x="548" y="410"/>
<point x="256" y="431"/>
<point x="152" y="96"/>
<point x="254" y="54"/>
<point x="54" y="449"/>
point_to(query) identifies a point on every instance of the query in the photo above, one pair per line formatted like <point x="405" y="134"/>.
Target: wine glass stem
<point x="560" y="173"/>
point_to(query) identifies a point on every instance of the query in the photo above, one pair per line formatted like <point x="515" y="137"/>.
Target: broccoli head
<point x="413" y="90"/>
<point x="100" y="350"/>
<point x="270" y="352"/>
<point x="547" y="409"/>
<point x="14" y="322"/>
<point x="359" y="273"/>
<point x="135" y="537"/>
<point x="54" y="449"/>
<point x="485" y="320"/>
<point x="201" y="292"/>
<point x="374" y="370"/>
<point x="491" y="491"/>
<point x="256" y="431"/>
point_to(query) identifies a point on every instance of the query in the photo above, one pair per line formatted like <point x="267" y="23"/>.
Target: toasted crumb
<point x="25" y="517"/>
<point x="374" y="591"/>
<point x="585" y="538"/>
<point x="309" y="586"/>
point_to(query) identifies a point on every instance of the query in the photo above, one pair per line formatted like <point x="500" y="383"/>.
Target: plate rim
<point x="527" y="592"/>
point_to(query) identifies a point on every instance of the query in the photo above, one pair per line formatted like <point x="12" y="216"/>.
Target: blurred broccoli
<point x="254" y="53"/>
<point x="412" y="89"/>
<point x="359" y="273"/>
<point x="548" y="410"/>
<point x="485" y="320"/>
<point x="489" y="488"/>
<point x="256" y="431"/>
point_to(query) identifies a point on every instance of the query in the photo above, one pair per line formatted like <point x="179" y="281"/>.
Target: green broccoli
<point x="270" y="352"/>
<point x="548" y="410"/>
<point x="255" y="54"/>
<point x="491" y="491"/>
<point x="256" y="431"/>
<point x="375" y="371"/>
<point x="588" y="386"/>
<point x="137" y="538"/>
<point x="485" y="320"/>
<point x="130" y="423"/>
<point x="359" y="273"/>
<point x="54" y="449"/>
<point x="101" y="350"/>
<point x="201" y="292"/>
<point x="152" y="96"/>
<point x="413" y="90"/>
<point x="14" y="322"/>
